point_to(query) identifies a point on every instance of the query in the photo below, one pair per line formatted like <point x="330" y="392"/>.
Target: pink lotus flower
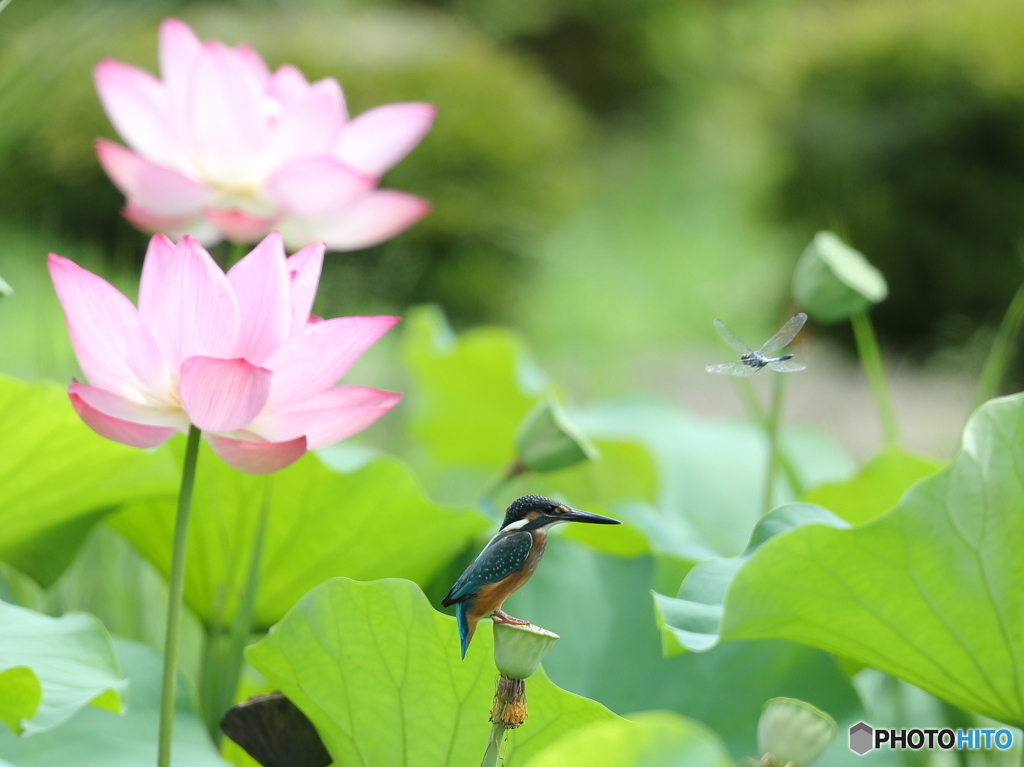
<point x="223" y="149"/>
<point x="236" y="354"/>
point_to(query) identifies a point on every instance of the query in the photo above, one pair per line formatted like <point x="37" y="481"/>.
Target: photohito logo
<point x="865" y="738"/>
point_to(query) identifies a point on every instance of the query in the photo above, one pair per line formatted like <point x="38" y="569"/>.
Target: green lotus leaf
<point x="469" y="393"/>
<point x="657" y="739"/>
<point x="878" y="486"/>
<point x="97" y="739"/>
<point x="52" y="667"/>
<point x="371" y="522"/>
<point x="929" y="592"/>
<point x="377" y="671"/>
<point x="58" y="478"/>
<point x="692" y="620"/>
<point x="600" y="607"/>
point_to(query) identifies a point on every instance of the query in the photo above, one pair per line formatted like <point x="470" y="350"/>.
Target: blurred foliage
<point x="600" y="49"/>
<point x="902" y="127"/>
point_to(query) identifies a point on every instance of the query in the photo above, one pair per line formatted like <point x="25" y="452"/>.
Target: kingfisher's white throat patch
<point x="514" y="525"/>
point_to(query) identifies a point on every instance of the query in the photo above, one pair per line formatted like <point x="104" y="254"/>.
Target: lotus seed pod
<point x="518" y="650"/>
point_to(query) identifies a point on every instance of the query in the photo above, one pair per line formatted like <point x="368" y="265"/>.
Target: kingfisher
<point x="508" y="561"/>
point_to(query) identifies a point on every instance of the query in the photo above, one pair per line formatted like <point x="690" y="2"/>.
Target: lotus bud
<point x="792" y="733"/>
<point x="832" y="281"/>
<point x="548" y="441"/>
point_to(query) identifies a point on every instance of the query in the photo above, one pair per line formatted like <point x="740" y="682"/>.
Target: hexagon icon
<point x="862" y="738"/>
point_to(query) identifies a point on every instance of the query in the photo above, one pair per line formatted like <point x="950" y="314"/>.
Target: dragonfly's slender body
<point x="751" y="361"/>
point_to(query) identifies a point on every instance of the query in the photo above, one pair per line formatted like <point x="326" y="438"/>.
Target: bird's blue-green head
<point x="533" y="512"/>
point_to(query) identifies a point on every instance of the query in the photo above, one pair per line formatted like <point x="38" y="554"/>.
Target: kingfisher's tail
<point x="465" y="630"/>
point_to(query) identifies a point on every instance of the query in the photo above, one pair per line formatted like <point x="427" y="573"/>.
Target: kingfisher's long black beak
<point x="575" y="515"/>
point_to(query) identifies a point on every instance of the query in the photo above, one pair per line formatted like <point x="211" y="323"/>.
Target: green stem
<point x="745" y="389"/>
<point x="237" y="252"/>
<point x="1002" y="350"/>
<point x="492" y="756"/>
<point x="871" y="361"/>
<point x="772" y="429"/>
<point x="222" y="663"/>
<point x="176" y="591"/>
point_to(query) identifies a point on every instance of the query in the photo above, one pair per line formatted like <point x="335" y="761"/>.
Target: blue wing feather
<point x="505" y="554"/>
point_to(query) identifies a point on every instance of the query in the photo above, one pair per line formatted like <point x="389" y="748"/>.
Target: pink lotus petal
<point x="225" y="116"/>
<point x="138" y="106"/>
<point x="257" y="457"/>
<point x="114" y="348"/>
<point x="327" y="417"/>
<point x="253" y="62"/>
<point x="222" y="395"/>
<point x="179" y="48"/>
<point x="263" y="290"/>
<point x="118" y="430"/>
<point x="155" y="267"/>
<point x="196" y="312"/>
<point x="304" y="272"/>
<point x="378" y="138"/>
<point x="194" y="226"/>
<point x="161" y="191"/>
<point x="370" y="220"/>
<point x="316" y="187"/>
<point x="116" y="406"/>
<point x="316" y="358"/>
<point x="238" y="226"/>
<point x="287" y="85"/>
<point x="309" y="125"/>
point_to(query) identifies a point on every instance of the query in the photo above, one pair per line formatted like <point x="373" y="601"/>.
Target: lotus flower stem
<point x="175" y="597"/>
<point x="745" y="389"/>
<point x="1002" y="350"/>
<point x="871" y="360"/>
<point x="518" y="651"/>
<point x="492" y="756"/>
<point x="222" y="664"/>
<point x="772" y="428"/>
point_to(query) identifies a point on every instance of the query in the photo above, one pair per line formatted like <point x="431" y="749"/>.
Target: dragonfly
<point x="750" y="361"/>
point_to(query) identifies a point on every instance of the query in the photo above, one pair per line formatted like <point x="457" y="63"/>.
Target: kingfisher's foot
<point x="501" y="617"/>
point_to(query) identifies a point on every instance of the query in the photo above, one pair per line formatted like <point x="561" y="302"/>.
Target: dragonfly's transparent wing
<point x="786" y="366"/>
<point x="785" y="335"/>
<point x="731" y="338"/>
<point x="732" y="369"/>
